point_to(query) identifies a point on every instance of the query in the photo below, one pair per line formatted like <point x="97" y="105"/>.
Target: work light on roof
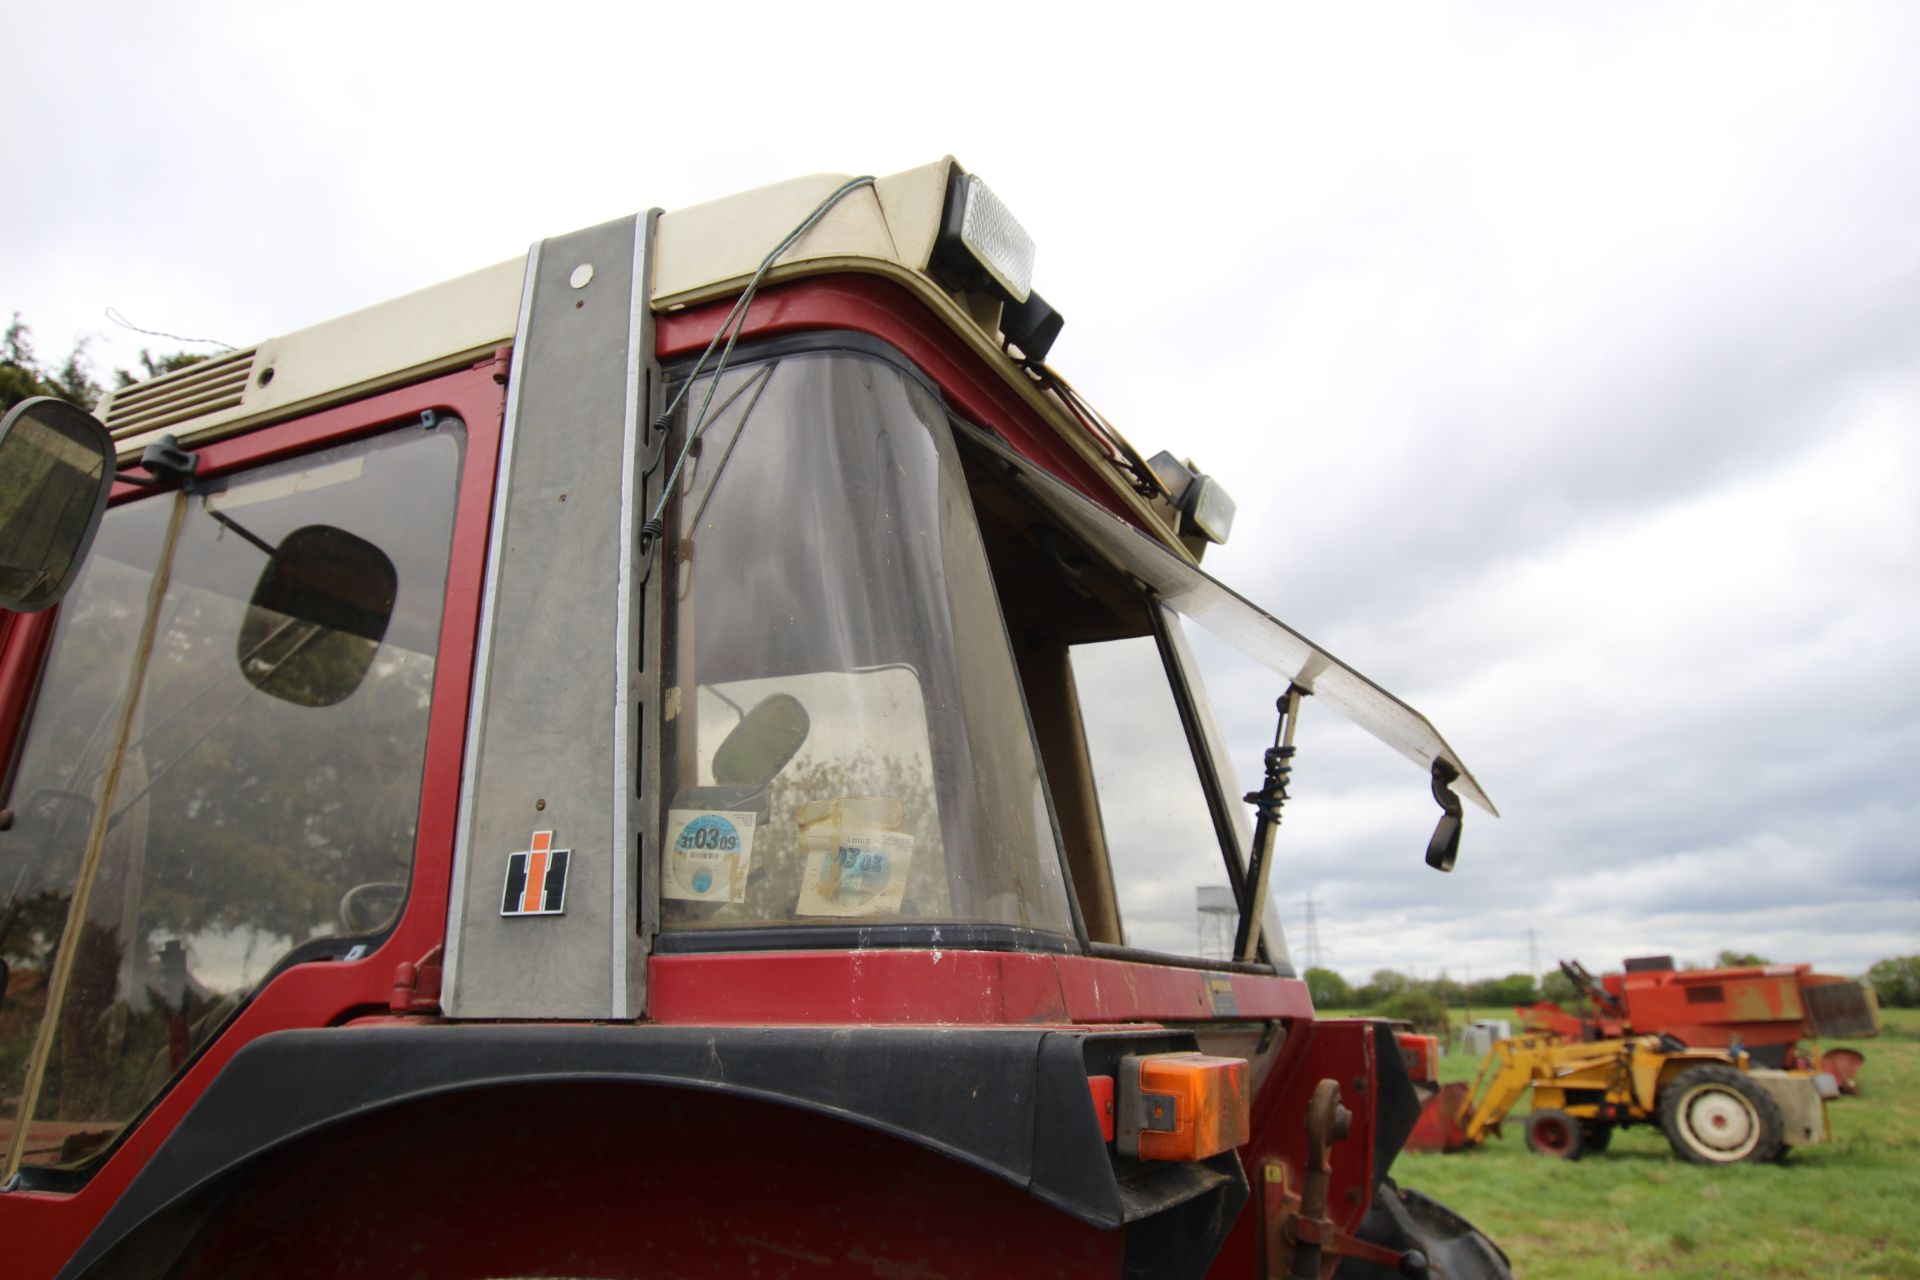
<point x="1000" y="243"/>
<point x="1206" y="508"/>
<point x="979" y="238"/>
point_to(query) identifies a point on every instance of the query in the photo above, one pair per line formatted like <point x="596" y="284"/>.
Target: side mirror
<point x="759" y="746"/>
<point x="317" y="616"/>
<point x="1444" y="847"/>
<point x="56" y="468"/>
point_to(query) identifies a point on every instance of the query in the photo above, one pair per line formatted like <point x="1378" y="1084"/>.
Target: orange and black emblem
<point x="536" y="879"/>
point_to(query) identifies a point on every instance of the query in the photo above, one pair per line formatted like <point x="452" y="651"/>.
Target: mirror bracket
<point x="165" y="462"/>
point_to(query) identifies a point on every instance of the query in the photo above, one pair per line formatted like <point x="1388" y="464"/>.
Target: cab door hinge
<point x="502" y="362"/>
<point x="416" y="985"/>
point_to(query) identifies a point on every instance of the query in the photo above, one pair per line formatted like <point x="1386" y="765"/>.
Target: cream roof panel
<point x="913" y="202"/>
<point x="702" y="252"/>
<point x="711" y="247"/>
<point x="432" y="330"/>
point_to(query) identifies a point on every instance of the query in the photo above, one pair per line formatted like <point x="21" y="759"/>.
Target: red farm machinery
<point x="664" y="756"/>
<point x="1768" y="1010"/>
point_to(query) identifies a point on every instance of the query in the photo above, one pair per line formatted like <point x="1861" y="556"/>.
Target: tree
<point x="1514" y="990"/>
<point x="155" y="366"/>
<point x="22" y="376"/>
<point x="1384" y="984"/>
<point x="1419" y="1005"/>
<point x="1739" y="960"/>
<point x="1329" y="990"/>
<point x="1897" y="982"/>
<point x="1559" y="988"/>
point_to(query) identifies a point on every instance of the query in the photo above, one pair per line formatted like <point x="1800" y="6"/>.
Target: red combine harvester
<point x="1766" y="1009"/>
<point x="665" y="756"/>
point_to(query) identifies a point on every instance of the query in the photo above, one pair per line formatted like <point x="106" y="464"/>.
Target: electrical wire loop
<point x="654" y="527"/>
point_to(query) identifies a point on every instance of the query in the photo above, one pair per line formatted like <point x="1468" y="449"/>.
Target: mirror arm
<point x="1267" y="803"/>
<point x="246" y="533"/>
<point x="164" y="462"/>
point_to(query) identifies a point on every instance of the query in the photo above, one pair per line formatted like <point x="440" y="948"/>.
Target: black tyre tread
<point x="1576" y="1134"/>
<point x="1773" y="1125"/>
<point x="1402" y="1218"/>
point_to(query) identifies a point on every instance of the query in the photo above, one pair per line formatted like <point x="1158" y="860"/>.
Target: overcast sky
<point x="1562" y="359"/>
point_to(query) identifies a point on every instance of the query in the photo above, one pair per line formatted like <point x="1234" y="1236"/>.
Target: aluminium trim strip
<point x="483" y="650"/>
<point x="639" y="313"/>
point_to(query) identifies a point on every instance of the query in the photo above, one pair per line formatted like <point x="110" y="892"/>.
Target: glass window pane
<point x="850" y="745"/>
<point x="1160" y="838"/>
<point x="61" y="766"/>
<point x="1236" y="697"/>
<point x="254" y="816"/>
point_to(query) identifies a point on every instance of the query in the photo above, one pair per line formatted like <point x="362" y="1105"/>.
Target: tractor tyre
<point x="1595" y="1136"/>
<point x="1556" y="1134"/>
<point x="1401" y="1220"/>
<point x="1719" y="1115"/>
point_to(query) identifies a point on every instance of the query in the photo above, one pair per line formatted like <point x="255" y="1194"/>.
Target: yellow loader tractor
<point x="1713" y="1106"/>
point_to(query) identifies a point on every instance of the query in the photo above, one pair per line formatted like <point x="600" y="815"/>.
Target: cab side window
<point x="1161" y="844"/>
<point x="1143" y="850"/>
<point x="260" y="807"/>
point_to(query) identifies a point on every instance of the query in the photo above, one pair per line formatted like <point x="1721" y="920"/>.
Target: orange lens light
<point x="1101" y="1089"/>
<point x="1181" y="1106"/>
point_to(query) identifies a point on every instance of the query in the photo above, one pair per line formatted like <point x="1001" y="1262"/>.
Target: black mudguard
<point x="1011" y="1102"/>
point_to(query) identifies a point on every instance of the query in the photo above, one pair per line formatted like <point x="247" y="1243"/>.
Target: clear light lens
<point x="1211" y="509"/>
<point x="1173" y="475"/>
<point x="999" y="243"/>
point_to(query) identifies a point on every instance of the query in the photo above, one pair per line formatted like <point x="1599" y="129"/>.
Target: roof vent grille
<point x="199" y="389"/>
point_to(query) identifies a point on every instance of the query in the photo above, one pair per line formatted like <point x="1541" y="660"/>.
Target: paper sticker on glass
<point x="862" y="873"/>
<point x="708" y="855"/>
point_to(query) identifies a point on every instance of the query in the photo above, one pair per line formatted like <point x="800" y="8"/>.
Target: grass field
<point x="1848" y="1208"/>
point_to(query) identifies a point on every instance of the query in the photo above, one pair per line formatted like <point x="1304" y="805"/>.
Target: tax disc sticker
<point x="708" y="855"/>
<point x="862" y="873"/>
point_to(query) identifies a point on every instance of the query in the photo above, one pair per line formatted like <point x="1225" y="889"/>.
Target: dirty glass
<point x="246" y="827"/>
<point x="826" y="553"/>
<point x="1183" y="587"/>
<point x="56" y="784"/>
<point x="1168" y="870"/>
<point x="1232" y="697"/>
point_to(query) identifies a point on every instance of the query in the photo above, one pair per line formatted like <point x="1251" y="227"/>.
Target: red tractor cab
<point x="679" y="753"/>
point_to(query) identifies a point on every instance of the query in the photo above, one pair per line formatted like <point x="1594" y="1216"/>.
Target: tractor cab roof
<point x="892" y="228"/>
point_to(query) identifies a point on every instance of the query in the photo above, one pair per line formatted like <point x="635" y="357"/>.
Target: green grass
<point x="1846" y="1208"/>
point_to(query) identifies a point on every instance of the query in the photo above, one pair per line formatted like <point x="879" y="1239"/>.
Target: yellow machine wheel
<point x="1556" y="1134"/>
<point x="1718" y="1115"/>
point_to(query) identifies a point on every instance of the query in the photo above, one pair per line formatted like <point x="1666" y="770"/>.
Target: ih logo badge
<point x="536" y="879"/>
